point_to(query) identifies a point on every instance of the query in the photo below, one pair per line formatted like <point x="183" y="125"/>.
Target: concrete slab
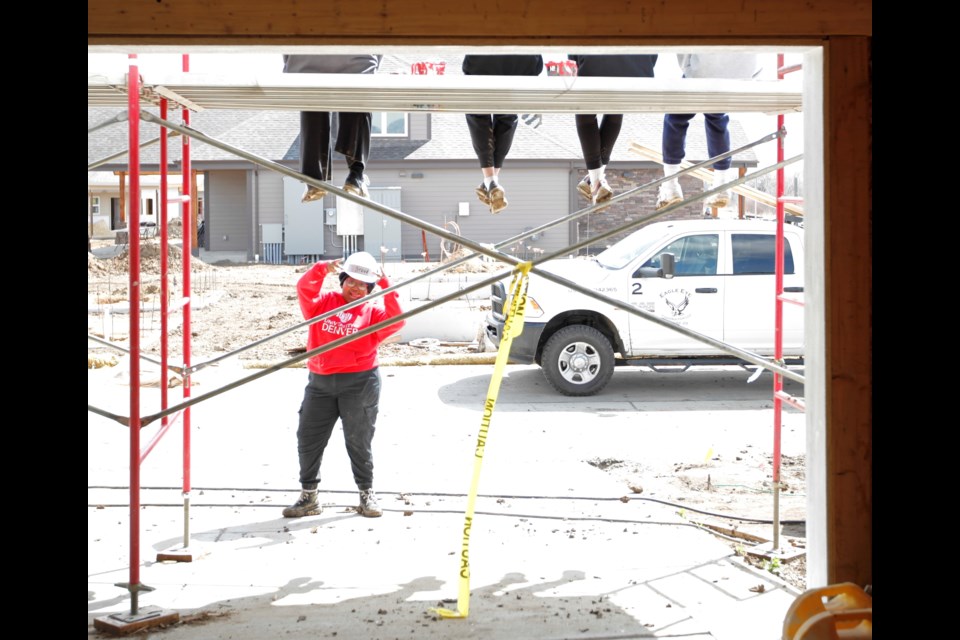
<point x="553" y="551"/>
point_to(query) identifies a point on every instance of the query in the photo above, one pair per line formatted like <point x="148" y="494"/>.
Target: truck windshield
<point x="622" y="253"/>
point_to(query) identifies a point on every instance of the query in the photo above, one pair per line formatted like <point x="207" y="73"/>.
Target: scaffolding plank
<point x="454" y="93"/>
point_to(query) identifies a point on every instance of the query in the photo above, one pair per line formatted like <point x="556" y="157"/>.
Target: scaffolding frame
<point x="779" y="395"/>
<point x="136" y="91"/>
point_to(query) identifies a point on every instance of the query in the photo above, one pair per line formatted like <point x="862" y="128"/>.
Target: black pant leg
<point x="359" y="403"/>
<point x="319" y="412"/>
<point x="588" y="131"/>
<point x="480" y="127"/>
<point x="504" y="128"/>
<point x="353" y="139"/>
<point x="315" y="144"/>
<point x="610" y="126"/>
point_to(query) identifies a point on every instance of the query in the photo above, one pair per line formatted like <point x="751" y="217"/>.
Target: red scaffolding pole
<point x="138" y="617"/>
<point x="183" y="553"/>
<point x="188" y="231"/>
<point x="779" y="396"/>
<point x="133" y="232"/>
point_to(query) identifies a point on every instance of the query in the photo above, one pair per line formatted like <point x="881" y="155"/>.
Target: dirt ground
<point x="238" y="305"/>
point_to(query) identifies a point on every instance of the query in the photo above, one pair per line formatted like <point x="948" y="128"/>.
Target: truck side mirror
<point x="666" y="270"/>
<point x="668" y="265"/>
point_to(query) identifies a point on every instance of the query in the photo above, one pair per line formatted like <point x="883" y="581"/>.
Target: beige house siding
<point x="226" y="195"/>
<point x="419" y="126"/>
<point x="269" y="201"/>
<point x="530" y="192"/>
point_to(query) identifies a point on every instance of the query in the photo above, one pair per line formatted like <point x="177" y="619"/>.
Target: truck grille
<point x="498" y="298"/>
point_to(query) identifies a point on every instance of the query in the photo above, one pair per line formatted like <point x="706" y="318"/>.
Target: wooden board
<point x="124" y="624"/>
<point x="707" y="177"/>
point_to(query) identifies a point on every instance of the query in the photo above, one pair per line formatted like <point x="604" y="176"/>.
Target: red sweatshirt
<point x="356" y="355"/>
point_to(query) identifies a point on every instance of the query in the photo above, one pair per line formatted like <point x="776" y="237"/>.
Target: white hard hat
<point x="362" y="266"/>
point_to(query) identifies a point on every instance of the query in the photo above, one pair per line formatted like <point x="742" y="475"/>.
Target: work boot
<point x="307" y="505"/>
<point x="369" y="508"/>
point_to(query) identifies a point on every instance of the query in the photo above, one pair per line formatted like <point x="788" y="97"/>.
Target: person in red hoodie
<point x="344" y="382"/>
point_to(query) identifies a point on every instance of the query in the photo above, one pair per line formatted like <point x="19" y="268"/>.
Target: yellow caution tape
<point x="512" y="327"/>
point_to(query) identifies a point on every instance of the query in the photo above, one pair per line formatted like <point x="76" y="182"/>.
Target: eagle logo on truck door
<point x="677" y="300"/>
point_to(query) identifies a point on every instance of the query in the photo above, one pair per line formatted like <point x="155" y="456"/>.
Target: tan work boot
<point x="307" y="505"/>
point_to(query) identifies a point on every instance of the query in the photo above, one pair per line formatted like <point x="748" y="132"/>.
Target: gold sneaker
<point x="498" y="198"/>
<point x="312" y="193"/>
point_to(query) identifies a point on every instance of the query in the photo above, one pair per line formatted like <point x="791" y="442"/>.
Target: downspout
<point x="573" y="228"/>
<point x="255" y="218"/>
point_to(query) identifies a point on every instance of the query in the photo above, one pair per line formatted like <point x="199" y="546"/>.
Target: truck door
<point x="693" y="298"/>
<point x="751" y="290"/>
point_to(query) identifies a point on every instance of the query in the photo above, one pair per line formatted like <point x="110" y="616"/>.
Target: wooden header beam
<point x="427" y="22"/>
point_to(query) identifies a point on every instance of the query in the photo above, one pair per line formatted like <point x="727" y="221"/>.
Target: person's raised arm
<point x="311" y="283"/>
<point x="391" y="308"/>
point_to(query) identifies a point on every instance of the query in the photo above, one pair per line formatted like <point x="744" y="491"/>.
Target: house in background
<point x="108" y="213"/>
<point x="422" y="164"/>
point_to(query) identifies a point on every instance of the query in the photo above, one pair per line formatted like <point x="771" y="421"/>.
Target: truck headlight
<point x="533" y="309"/>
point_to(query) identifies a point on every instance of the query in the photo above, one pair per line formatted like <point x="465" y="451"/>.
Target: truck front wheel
<point x="578" y="360"/>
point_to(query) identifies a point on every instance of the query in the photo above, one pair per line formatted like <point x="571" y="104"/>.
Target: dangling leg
<point x="353" y="141"/>
<point x="504" y="129"/>
<point x="610" y="126"/>
<point x="480" y="127"/>
<point x="673" y="144"/>
<point x="718" y="141"/>
<point x="588" y="131"/>
<point x="314" y="151"/>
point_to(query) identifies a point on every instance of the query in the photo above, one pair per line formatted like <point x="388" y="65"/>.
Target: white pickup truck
<point x="717" y="281"/>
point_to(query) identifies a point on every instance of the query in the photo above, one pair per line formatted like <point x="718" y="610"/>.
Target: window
<point x="695" y="255"/>
<point x="389" y="124"/>
<point x="753" y="254"/>
<point x="95" y="205"/>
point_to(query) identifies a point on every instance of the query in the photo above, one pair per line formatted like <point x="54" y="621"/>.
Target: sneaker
<point x="312" y="193"/>
<point x="307" y="505"/>
<point x="498" y="198"/>
<point x="584" y="188"/>
<point x="603" y="192"/>
<point x="669" y="193"/>
<point x="356" y="183"/>
<point x="722" y="198"/>
<point x="482" y="194"/>
<point x="368" y="505"/>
